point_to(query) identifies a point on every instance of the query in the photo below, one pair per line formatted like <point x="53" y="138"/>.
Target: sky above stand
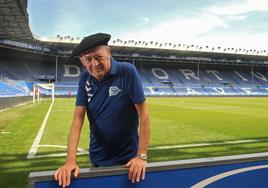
<point x="225" y="23"/>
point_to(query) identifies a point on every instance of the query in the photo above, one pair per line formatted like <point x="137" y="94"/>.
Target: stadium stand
<point x="158" y="78"/>
<point x="210" y="80"/>
<point x="166" y="70"/>
<point x="10" y="88"/>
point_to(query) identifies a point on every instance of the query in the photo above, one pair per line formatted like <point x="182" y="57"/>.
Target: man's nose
<point x="95" y="62"/>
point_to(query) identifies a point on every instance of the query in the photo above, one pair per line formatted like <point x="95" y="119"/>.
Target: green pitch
<point x="181" y="128"/>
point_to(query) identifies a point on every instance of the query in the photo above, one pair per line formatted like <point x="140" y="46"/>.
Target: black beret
<point x="90" y="42"/>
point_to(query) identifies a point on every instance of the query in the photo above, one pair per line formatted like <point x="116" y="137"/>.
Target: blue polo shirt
<point x="111" y="112"/>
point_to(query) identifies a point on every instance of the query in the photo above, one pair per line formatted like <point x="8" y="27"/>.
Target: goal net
<point x="43" y="91"/>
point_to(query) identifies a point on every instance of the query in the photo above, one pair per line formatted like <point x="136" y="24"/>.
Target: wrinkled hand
<point x="136" y="169"/>
<point x="63" y="174"/>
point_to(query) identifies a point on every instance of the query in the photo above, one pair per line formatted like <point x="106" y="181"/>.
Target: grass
<point x="195" y="120"/>
<point x="174" y="121"/>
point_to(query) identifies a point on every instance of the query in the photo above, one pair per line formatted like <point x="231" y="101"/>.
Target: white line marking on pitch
<point x="215" y="107"/>
<point x="4" y="132"/>
<point x="208" y="144"/>
<point x="80" y="151"/>
<point x="38" y="137"/>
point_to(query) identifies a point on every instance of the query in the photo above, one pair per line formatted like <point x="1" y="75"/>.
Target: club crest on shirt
<point x="114" y="90"/>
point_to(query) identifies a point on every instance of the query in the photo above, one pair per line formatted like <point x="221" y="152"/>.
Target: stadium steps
<point x="11" y="74"/>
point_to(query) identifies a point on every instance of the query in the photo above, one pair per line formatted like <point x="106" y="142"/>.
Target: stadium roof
<point x="14" y="26"/>
<point x="14" y="20"/>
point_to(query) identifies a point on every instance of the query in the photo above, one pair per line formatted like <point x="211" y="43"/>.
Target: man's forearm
<point x="144" y="131"/>
<point x="144" y="136"/>
<point x="74" y="136"/>
<point x="73" y="141"/>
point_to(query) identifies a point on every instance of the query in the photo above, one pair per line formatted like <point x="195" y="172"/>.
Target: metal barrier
<point x="250" y="170"/>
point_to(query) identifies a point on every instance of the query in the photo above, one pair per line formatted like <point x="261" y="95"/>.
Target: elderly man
<point x="111" y="94"/>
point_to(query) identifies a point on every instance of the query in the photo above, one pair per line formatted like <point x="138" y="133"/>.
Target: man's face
<point x="97" y="62"/>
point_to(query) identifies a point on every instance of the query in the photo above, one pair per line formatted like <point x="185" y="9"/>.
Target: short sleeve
<point x="81" y="98"/>
<point x="136" y="92"/>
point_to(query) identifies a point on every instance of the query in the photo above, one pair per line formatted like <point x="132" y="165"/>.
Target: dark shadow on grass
<point x="15" y="168"/>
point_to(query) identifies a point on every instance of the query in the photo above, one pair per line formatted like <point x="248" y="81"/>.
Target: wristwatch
<point x="142" y="156"/>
